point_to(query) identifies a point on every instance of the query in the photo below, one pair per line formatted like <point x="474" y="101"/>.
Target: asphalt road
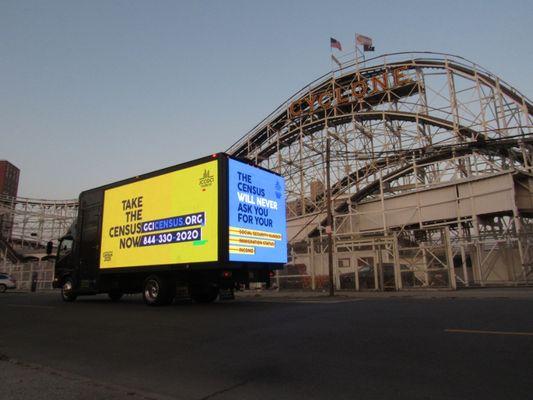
<point x="282" y="349"/>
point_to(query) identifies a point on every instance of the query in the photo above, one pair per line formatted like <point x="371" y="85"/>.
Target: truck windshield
<point x="65" y="247"/>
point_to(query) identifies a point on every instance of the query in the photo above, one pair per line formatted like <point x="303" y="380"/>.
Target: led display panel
<point x="257" y="220"/>
<point x="167" y="219"/>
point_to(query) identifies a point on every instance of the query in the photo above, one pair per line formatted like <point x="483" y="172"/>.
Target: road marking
<point x="488" y="332"/>
<point x="27" y="306"/>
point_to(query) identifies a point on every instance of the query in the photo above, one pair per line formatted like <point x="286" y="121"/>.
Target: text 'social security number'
<point x="187" y="235"/>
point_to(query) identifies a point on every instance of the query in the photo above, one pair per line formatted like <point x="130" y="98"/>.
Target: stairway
<point x="7" y="250"/>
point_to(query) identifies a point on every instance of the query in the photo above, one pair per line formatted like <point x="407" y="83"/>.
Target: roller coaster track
<point x="406" y="161"/>
<point x="455" y="64"/>
<point x="34" y="222"/>
<point x="449" y="107"/>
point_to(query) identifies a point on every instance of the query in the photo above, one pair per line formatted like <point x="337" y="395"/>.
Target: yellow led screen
<point x="168" y="219"/>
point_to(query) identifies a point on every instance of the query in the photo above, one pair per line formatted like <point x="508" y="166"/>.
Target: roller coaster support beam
<point x="329" y="228"/>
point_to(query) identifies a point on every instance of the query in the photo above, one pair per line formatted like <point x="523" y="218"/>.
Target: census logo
<point x="207" y="179"/>
<point x="108" y="255"/>
<point x="278" y="190"/>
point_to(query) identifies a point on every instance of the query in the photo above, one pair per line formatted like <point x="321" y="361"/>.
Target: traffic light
<point x="49" y="247"/>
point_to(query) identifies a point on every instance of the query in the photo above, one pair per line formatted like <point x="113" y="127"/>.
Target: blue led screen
<point x="257" y="221"/>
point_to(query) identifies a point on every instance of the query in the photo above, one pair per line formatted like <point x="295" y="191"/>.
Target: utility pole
<point x="329" y="227"/>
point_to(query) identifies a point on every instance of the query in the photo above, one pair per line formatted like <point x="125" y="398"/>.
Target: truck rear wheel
<point x="205" y="295"/>
<point x="67" y="290"/>
<point x="157" y="291"/>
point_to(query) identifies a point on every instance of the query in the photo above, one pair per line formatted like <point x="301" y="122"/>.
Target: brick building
<point x="9" y="182"/>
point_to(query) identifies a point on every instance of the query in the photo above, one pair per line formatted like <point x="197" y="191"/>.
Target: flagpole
<point x="366" y="43"/>
<point x="356" y="54"/>
<point x="331" y="57"/>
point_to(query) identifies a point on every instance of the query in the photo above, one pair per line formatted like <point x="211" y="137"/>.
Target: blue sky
<point x="96" y="91"/>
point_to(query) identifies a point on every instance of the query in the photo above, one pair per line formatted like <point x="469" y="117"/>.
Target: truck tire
<point x="67" y="290"/>
<point x="205" y="295"/>
<point x="3" y="288"/>
<point x="157" y="291"/>
<point x="115" y="295"/>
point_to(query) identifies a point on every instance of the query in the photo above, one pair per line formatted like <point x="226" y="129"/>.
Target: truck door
<point x="64" y="259"/>
<point x="89" y="239"/>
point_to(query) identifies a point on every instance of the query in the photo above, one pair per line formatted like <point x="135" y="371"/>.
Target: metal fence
<point x="416" y="259"/>
<point x="24" y="273"/>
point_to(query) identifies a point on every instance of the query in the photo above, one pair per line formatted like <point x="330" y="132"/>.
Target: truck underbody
<point x="162" y="287"/>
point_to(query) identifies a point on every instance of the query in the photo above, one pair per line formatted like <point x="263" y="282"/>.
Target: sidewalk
<point x="26" y="381"/>
<point x="302" y="295"/>
<point x="474" y="293"/>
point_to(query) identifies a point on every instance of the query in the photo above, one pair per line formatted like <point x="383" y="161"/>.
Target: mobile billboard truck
<point x="203" y="226"/>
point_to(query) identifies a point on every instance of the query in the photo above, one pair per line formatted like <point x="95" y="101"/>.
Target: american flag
<point x="334" y="43"/>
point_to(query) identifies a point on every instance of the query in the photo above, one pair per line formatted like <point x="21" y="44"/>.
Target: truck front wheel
<point x="157" y="292"/>
<point x="67" y="290"/>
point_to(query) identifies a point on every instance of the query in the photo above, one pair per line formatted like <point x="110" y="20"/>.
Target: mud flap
<point x="226" y="294"/>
